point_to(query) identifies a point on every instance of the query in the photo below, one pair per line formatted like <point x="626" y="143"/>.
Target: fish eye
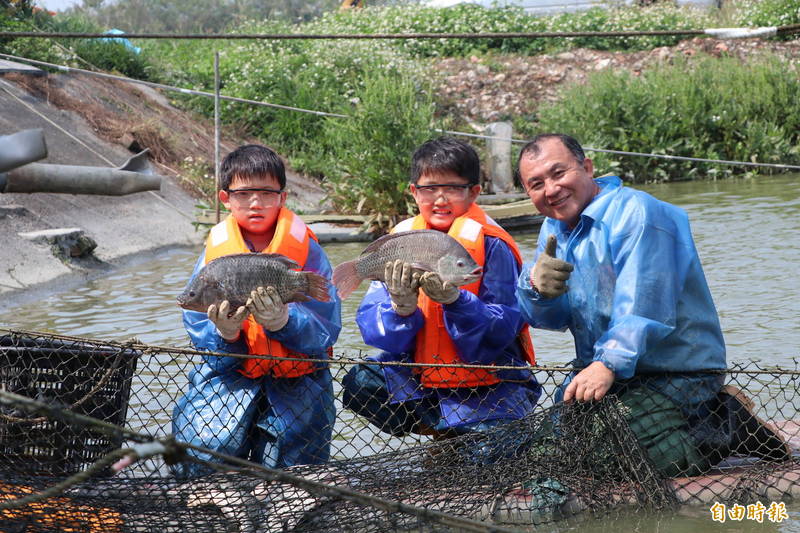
<point x="191" y="294"/>
<point x="460" y="263"/>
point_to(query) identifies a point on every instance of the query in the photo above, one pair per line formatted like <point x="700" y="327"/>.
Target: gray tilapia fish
<point x="233" y="277"/>
<point x="426" y="250"/>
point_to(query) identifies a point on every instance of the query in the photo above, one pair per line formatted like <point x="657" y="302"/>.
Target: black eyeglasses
<point x="266" y="196"/>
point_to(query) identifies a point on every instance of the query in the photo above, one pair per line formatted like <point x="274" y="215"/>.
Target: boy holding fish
<point x="274" y="411"/>
<point x="444" y="294"/>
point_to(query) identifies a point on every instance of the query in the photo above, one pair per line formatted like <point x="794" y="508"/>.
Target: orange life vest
<point x="292" y="240"/>
<point x="433" y="344"/>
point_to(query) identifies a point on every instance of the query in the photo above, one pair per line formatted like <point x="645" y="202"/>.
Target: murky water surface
<point x="746" y="232"/>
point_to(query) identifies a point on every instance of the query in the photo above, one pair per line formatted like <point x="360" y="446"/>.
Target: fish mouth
<point x="185" y="303"/>
<point x="473" y="276"/>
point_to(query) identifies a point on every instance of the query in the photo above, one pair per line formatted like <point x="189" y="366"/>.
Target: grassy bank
<point x="715" y="108"/>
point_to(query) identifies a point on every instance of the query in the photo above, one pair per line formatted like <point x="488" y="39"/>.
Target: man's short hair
<point x="251" y="160"/>
<point x="534" y="146"/>
<point x="446" y="154"/>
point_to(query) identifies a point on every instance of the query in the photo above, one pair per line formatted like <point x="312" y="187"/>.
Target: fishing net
<point x="71" y="407"/>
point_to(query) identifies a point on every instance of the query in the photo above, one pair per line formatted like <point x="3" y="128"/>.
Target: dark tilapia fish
<point x="233" y="277"/>
<point x="426" y="250"/>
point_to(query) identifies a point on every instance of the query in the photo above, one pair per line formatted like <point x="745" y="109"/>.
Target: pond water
<point x="746" y="232"/>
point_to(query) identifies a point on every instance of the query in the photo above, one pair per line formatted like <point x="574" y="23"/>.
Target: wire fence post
<point x="216" y="133"/>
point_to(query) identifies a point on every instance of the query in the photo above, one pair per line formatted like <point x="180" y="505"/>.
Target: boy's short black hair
<point x="446" y="154"/>
<point x="251" y="160"/>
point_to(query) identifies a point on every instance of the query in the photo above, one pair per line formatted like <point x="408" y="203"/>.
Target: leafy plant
<point x="372" y="150"/>
<point x="469" y="18"/>
<point x="199" y="173"/>
<point x="752" y="13"/>
<point x="715" y="108"/>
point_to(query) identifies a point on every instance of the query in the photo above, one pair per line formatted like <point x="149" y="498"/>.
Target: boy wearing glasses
<point x="276" y="412"/>
<point x="417" y="318"/>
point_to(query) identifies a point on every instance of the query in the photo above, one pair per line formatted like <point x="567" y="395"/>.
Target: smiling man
<point x="619" y="269"/>
<point x="418" y="318"/>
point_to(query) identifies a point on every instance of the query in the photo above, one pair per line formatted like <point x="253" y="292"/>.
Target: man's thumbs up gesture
<point x="549" y="275"/>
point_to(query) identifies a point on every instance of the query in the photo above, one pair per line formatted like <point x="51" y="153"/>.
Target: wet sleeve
<point x="204" y="336"/>
<point x="542" y="313"/>
<point x="313" y="326"/>
<point x="646" y="295"/>
<point x="482" y="326"/>
<point x="381" y="327"/>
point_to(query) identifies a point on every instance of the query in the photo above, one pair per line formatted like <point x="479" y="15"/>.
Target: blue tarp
<point x="121" y="40"/>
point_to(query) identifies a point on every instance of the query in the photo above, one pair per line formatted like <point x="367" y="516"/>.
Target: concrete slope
<point x="124" y="227"/>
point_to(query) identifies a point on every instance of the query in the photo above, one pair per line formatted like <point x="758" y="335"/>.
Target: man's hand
<point x="268" y="309"/>
<point x="591" y="383"/>
<point x="227" y="326"/>
<point x="549" y="275"/>
<point x="403" y="286"/>
<point x="437" y="290"/>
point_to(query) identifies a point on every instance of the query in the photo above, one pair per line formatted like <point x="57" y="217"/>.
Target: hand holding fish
<point x="227" y="326"/>
<point x="424" y="250"/>
<point x="443" y="292"/>
<point x="549" y="275"/>
<point x="267" y="308"/>
<point x="403" y="286"/>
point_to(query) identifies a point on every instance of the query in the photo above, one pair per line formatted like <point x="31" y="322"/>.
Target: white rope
<point x="742" y="33"/>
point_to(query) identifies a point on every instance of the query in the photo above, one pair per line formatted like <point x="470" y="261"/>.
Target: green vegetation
<point x="85" y="53"/>
<point x="310" y="75"/>
<point x="712" y="108"/>
<point x="197" y="16"/>
<point x="717" y="108"/>
<point x="371" y="151"/>
<point x="469" y="18"/>
<point x="767" y="13"/>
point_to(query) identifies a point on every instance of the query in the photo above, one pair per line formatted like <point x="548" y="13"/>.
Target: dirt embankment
<point x="482" y="90"/>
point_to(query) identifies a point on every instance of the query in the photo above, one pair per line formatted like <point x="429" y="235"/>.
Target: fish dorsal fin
<point x="290" y="263"/>
<point x="230" y="256"/>
<point x="282" y="259"/>
<point x="380" y="241"/>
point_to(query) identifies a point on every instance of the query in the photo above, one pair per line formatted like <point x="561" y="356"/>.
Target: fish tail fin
<point x="346" y="278"/>
<point x="317" y="287"/>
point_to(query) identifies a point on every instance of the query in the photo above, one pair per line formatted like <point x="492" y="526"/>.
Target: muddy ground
<point x="488" y="89"/>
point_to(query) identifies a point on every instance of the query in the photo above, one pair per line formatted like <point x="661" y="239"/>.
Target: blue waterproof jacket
<point x="483" y="329"/>
<point x="637" y="300"/>
<point x="276" y="422"/>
